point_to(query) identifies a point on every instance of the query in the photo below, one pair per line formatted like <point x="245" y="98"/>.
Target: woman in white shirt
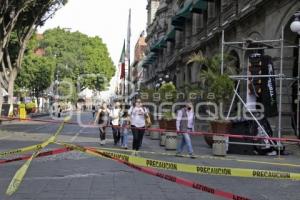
<point x="137" y="114"/>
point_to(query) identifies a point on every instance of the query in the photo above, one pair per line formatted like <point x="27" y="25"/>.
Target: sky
<point x="107" y="19"/>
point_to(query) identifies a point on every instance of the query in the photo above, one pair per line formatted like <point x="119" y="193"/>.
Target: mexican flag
<point x="122" y="63"/>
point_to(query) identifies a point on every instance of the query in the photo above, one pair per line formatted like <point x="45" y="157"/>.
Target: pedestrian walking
<point x="115" y="115"/>
<point x="59" y="111"/>
<point x="125" y="124"/>
<point x="185" y="122"/>
<point x="93" y="111"/>
<point x="138" y="114"/>
<point x="102" y="120"/>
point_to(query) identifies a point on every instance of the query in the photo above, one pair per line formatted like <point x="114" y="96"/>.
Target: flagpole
<point x="128" y="54"/>
<point x="124" y="89"/>
<point x="122" y="71"/>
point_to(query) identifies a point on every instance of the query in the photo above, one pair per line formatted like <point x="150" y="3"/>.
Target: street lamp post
<point x="295" y="27"/>
<point x="34" y="93"/>
<point x="57" y="83"/>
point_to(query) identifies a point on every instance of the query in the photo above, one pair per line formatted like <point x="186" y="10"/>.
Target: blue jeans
<point x="124" y="140"/>
<point x="185" y="140"/>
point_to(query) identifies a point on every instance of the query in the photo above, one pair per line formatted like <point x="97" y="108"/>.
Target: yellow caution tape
<point x="21" y="150"/>
<point x="204" y="157"/>
<point x="19" y="175"/>
<point x="189" y="168"/>
<point x="34" y="147"/>
<point x="18" y="178"/>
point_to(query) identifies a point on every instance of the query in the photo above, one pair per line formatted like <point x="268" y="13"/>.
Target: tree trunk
<point x="11" y="84"/>
<point x="1" y="100"/>
<point x="3" y="86"/>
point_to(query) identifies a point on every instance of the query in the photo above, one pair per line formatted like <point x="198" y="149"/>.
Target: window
<point x="214" y="8"/>
<point x="211" y="9"/>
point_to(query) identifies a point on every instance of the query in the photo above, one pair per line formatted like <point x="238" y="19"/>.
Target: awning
<point x="199" y="6"/>
<point x="149" y="59"/>
<point x="179" y="18"/>
<point x="162" y="43"/>
<point x="171" y="35"/>
<point x="185" y="11"/>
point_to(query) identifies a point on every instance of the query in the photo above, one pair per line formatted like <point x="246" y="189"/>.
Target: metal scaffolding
<point x="267" y="44"/>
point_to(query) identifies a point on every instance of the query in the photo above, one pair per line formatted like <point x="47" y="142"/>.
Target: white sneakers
<point x="135" y="153"/>
<point x="272" y="153"/>
<point x="102" y="142"/>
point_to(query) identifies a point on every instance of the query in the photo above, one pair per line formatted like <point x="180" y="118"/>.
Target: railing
<point x="201" y="35"/>
<point x="212" y="25"/>
<point x="188" y="40"/>
<point x="228" y="13"/>
<point x="244" y="5"/>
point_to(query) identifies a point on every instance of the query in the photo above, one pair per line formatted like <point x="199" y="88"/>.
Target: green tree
<point x="78" y="54"/>
<point x="67" y="90"/>
<point x="36" y="73"/>
<point x="74" y="56"/>
<point x="18" y="21"/>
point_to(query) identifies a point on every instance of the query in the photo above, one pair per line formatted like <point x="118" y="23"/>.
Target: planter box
<point x="217" y="127"/>
<point x="154" y="135"/>
<point x="162" y="141"/>
<point x="219" y="145"/>
<point x="171" y="141"/>
<point x="170" y="125"/>
<point x="161" y="124"/>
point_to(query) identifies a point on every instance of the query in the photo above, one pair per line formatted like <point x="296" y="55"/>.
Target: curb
<point x="39" y="115"/>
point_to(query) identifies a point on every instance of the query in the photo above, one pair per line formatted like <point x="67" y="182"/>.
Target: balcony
<point x="200" y="36"/>
<point x="213" y="25"/>
<point x="228" y="14"/>
<point x="244" y="5"/>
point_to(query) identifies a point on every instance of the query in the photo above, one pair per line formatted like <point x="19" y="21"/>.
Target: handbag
<point x="148" y="121"/>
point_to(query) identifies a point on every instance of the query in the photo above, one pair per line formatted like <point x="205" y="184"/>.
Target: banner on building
<point x="262" y="89"/>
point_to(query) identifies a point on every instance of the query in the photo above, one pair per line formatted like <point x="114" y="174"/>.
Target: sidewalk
<point x="36" y="115"/>
<point x="74" y="175"/>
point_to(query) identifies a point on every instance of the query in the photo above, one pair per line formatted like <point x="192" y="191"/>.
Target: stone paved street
<point x="74" y="175"/>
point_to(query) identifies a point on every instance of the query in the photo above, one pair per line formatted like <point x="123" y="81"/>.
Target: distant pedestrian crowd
<point x="135" y="120"/>
<point x="123" y="121"/>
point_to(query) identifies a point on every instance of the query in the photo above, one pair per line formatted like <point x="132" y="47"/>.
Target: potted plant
<point x="217" y="88"/>
<point x="30" y="107"/>
<point x="167" y="95"/>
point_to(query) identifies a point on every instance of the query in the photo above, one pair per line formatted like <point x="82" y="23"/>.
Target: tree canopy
<point x="72" y="56"/>
<point x="18" y="21"/>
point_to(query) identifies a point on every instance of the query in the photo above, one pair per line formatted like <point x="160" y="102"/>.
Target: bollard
<point x="171" y="141"/>
<point x="22" y="111"/>
<point x="154" y="135"/>
<point x="219" y="146"/>
<point x="147" y="133"/>
<point x="162" y="141"/>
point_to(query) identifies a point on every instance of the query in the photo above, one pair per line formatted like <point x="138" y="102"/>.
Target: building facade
<point x="137" y="69"/>
<point x="178" y="28"/>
